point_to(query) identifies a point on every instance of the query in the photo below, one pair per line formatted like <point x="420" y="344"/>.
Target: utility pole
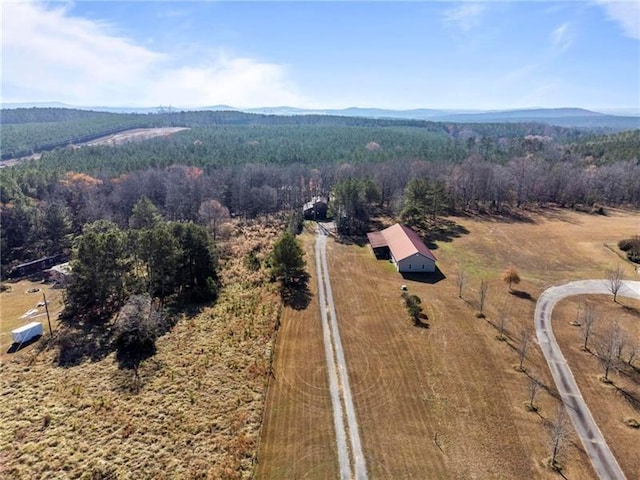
<point x="46" y="307"/>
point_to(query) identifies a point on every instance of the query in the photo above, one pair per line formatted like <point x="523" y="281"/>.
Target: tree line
<point x="42" y="210"/>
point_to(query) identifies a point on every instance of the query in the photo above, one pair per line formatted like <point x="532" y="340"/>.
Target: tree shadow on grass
<point x="630" y="309"/>
<point x="437" y="230"/>
<point x="522" y="294"/>
<point x="421" y="321"/>
<point x="504" y="216"/>
<point x="358" y="240"/>
<point x="443" y="230"/>
<point x="296" y="295"/>
<point x="630" y="396"/>
<point x="83" y="340"/>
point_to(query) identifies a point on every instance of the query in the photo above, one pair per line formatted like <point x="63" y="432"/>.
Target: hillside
<point x="28" y="130"/>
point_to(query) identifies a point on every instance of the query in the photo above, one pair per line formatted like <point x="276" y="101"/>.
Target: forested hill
<point x="28" y="130"/>
<point x="609" y="148"/>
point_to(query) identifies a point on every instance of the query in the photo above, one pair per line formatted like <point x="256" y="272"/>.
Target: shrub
<point x="137" y="328"/>
<point x="632" y="247"/>
<point x="414" y="306"/>
<point x="625" y="244"/>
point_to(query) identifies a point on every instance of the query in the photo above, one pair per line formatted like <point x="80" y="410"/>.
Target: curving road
<point x="604" y="463"/>
<point x="350" y="457"/>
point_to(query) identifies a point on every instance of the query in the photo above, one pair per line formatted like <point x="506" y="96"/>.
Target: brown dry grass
<point x="446" y="399"/>
<point x="197" y="414"/>
<point x="610" y="404"/>
<point x="298" y="435"/>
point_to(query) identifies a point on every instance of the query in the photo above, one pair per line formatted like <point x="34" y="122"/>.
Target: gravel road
<point x="604" y="463"/>
<point x="350" y="457"/>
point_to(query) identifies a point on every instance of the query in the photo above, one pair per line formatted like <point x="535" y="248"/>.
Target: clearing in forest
<point x="446" y="396"/>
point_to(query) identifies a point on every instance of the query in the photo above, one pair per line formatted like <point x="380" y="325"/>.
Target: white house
<point x="404" y="247"/>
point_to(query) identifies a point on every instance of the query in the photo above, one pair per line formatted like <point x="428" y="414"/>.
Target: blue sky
<point x="477" y="55"/>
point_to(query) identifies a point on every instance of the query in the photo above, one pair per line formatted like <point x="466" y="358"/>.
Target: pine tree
<point x="287" y="262"/>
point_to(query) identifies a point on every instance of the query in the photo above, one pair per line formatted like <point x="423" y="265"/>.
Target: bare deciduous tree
<point x="587" y="322"/>
<point x="461" y="280"/>
<point x="502" y="326"/>
<point x="633" y="351"/>
<point x="533" y="386"/>
<point x="614" y="281"/>
<point x="482" y="295"/>
<point x="559" y="436"/>
<point x="607" y="348"/>
<point x="525" y="342"/>
<point x="212" y="213"/>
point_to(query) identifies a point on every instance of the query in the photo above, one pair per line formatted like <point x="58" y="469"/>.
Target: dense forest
<point x="28" y="130"/>
<point x="231" y="164"/>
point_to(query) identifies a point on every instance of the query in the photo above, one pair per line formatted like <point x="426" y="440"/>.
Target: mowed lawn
<point x="446" y="401"/>
<point x="298" y="434"/>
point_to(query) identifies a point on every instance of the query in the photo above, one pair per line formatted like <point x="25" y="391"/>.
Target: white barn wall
<point x="416" y="263"/>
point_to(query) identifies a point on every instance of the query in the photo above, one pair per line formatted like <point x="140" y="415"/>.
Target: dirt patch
<point x="133" y="135"/>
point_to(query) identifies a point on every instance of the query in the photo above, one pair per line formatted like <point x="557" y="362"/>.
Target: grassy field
<point x="21" y="298"/>
<point x="444" y="398"/>
<point x="195" y="411"/>
<point x="298" y="434"/>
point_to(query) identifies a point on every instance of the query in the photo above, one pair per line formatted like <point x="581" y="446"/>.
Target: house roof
<point x="402" y="241"/>
<point x="377" y="239"/>
<point x="314" y="202"/>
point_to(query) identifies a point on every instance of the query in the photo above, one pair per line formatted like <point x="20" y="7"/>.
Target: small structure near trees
<point x="26" y="332"/>
<point x="316" y="208"/>
<point x="35" y="266"/>
<point x="405" y="248"/>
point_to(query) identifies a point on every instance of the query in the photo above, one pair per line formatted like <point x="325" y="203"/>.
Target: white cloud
<point x="464" y="16"/>
<point x="625" y="13"/>
<point x="562" y="37"/>
<point x="48" y="55"/>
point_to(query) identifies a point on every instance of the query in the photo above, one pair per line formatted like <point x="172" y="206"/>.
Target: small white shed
<point x="26" y="332"/>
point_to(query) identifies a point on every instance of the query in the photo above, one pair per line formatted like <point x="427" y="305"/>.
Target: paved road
<point x="350" y="458"/>
<point x="604" y="463"/>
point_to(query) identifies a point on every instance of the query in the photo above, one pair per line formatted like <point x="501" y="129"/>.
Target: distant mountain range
<point x="565" y="117"/>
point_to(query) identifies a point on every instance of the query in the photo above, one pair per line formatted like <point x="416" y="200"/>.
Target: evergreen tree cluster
<point x="154" y="257"/>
